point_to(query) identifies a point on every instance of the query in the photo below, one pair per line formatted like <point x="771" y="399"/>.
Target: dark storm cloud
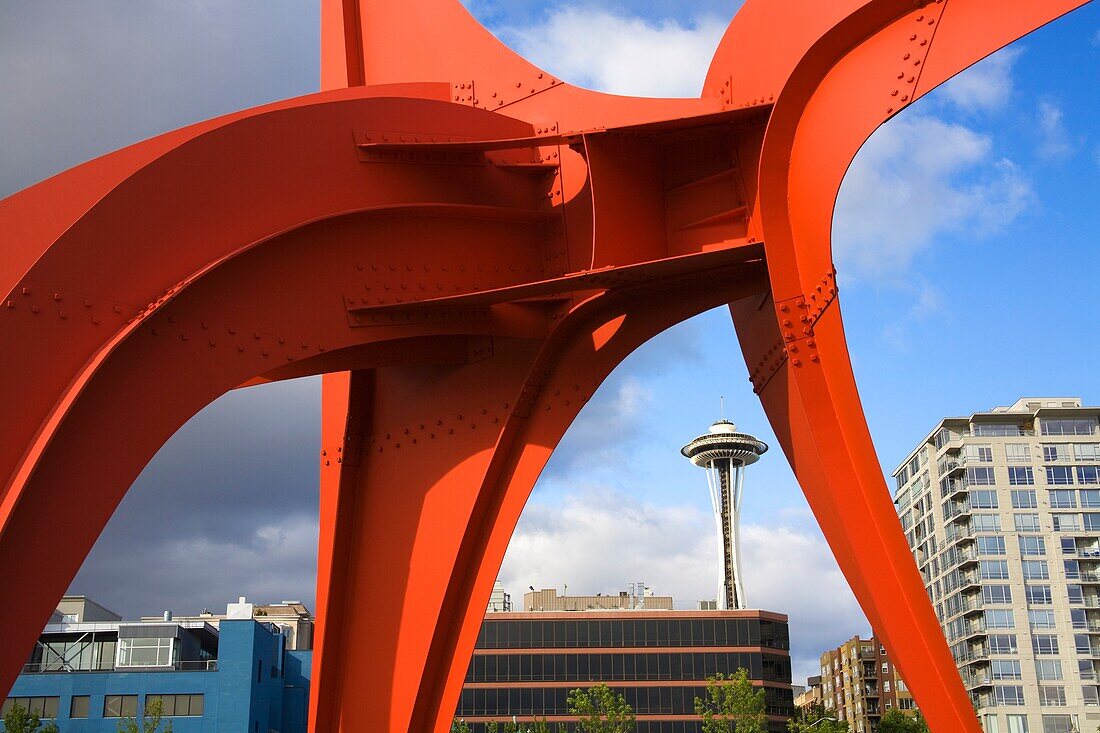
<point x="83" y="78"/>
<point x="229" y="505"/>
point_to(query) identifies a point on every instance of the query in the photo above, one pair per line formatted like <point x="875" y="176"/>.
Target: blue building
<point x="89" y="670"/>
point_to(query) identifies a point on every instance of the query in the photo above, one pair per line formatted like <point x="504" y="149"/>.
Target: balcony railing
<point x="206" y="665"/>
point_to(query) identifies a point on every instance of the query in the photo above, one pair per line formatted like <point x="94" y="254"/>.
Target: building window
<point x="999" y="619"/>
<point x="1072" y="569"/>
<point x="983" y="499"/>
<point x="1085" y="426"/>
<point x="1087" y="451"/>
<point x="1017" y="452"/>
<point x="1033" y="545"/>
<point x="43" y="707"/>
<point x="1062" y="499"/>
<point x="1026" y="522"/>
<point x="994" y="569"/>
<point x="1009" y="694"/>
<point x="1088" y="474"/>
<point x="1006" y="669"/>
<point x="1020" y="476"/>
<point x="1066" y="522"/>
<point x="1090" y="498"/>
<point x="1041" y="619"/>
<point x="1092" y="520"/>
<point x="1075" y="593"/>
<point x="1048" y="669"/>
<point x="991" y="546"/>
<point x="1089" y="695"/>
<point x="1059" y="475"/>
<point x="145" y="652"/>
<point x="1002" y="644"/>
<point x="120" y="706"/>
<point x="1060" y="724"/>
<point x="1053" y="452"/>
<point x="178" y="705"/>
<point x="79" y="706"/>
<point x="997" y="430"/>
<point x="1069" y="546"/>
<point x="1017" y="723"/>
<point x="978" y="453"/>
<point x="999" y="594"/>
<point x="980" y="476"/>
<point x="1038" y="595"/>
<point x="1082" y="644"/>
<point x="1035" y="570"/>
<point x="1046" y="644"/>
<point x="1052" y="696"/>
<point x="992" y="522"/>
<point x="1024" y="499"/>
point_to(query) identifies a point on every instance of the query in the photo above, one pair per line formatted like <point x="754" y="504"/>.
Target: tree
<point x="601" y="710"/>
<point x="150" y="719"/>
<point x="459" y="726"/>
<point x="812" y="718"/>
<point x="19" y="720"/>
<point x="732" y="704"/>
<point x="895" y="721"/>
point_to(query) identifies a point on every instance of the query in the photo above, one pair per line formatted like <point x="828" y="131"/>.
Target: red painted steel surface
<point x="465" y="246"/>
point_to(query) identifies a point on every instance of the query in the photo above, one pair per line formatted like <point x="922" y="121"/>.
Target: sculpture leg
<point x="432" y="469"/>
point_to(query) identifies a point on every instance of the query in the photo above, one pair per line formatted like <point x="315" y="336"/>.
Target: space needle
<point x="725" y="453"/>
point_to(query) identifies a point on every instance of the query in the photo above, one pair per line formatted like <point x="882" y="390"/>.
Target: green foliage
<point x="601" y="710"/>
<point x="535" y="726"/>
<point x="149" y="721"/>
<point x="895" y="721"/>
<point x="812" y="718"/>
<point x="732" y="704"/>
<point x="459" y="726"/>
<point x="18" y="720"/>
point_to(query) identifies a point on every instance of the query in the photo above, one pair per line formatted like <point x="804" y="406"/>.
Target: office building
<point x="1002" y="512"/>
<point x="90" y="669"/>
<point x="810" y="695"/>
<point x="859" y="684"/>
<point x="525" y="663"/>
<point x="292" y="618"/>
<point x="638" y="597"/>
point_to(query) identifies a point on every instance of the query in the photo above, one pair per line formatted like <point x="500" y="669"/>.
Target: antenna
<point x="722" y="406"/>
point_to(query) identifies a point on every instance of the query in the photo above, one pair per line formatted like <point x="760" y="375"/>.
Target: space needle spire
<point x="725" y="453"/>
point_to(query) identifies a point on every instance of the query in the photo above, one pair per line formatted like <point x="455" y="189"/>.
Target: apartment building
<point x="859" y="684"/>
<point x="1002" y="512"/>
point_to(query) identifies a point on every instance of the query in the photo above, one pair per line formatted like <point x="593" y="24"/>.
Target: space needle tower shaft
<point x="725" y="453"/>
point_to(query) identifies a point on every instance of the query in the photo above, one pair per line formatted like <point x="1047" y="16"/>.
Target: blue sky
<point x="964" y="241"/>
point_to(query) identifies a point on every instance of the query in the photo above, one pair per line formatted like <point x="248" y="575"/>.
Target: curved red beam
<point x="467" y="246"/>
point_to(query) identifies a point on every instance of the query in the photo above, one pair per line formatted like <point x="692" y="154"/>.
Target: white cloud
<point x="985" y="86"/>
<point x="1055" y="141"/>
<point x="916" y="180"/>
<point x="597" y="540"/>
<point x="621" y="54"/>
<point x="605" y="427"/>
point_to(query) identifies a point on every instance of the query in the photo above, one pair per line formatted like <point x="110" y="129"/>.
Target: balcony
<point x="974" y="656"/>
<point x="981" y="679"/>
<point x="956" y="510"/>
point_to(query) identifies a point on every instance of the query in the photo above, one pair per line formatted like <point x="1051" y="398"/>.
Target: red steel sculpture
<point x="465" y="246"/>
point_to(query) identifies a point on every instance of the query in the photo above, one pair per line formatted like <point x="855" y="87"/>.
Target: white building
<point x="1002" y="512"/>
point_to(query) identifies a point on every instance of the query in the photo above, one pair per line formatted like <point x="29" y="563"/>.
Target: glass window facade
<point x="562" y="652"/>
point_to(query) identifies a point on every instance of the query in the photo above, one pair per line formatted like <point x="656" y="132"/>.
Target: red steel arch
<point x="465" y="246"/>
